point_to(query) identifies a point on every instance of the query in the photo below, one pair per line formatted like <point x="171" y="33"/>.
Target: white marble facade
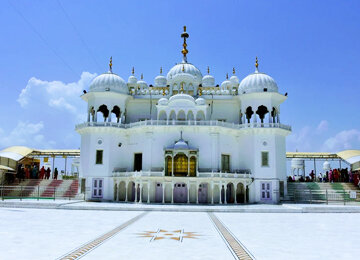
<point x="184" y="139"/>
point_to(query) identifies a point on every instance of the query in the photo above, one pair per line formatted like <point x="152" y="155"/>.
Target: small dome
<point x="132" y="79"/>
<point x="163" y="101"/>
<point x="326" y="166"/>
<point x="182" y="97"/>
<point x="142" y="84"/>
<point x="225" y="84"/>
<point x="257" y="82"/>
<point x="208" y="81"/>
<point x="234" y="80"/>
<point x="181" y="145"/>
<point x="200" y="101"/>
<point x="184" y="68"/>
<point x="109" y="82"/>
<point x="160" y="81"/>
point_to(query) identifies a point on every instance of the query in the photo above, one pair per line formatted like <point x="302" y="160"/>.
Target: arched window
<point x="190" y="115"/>
<point x="181" y="115"/>
<point x="162" y="115"/>
<point x="102" y="113"/>
<point x="249" y="113"/>
<point x="262" y="111"/>
<point x="91" y="114"/>
<point x="116" y="112"/>
<point x="200" y="116"/>
<point x="172" y="115"/>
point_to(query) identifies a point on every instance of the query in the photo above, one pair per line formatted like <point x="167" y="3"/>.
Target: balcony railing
<point x="210" y="174"/>
<point x="183" y="123"/>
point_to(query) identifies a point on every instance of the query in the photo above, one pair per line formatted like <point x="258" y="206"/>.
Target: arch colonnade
<point x="181" y="191"/>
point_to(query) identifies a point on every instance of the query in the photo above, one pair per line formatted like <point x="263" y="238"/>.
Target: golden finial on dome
<point x="163" y="92"/>
<point x="183" y="68"/>
<point x="234" y="71"/>
<point x="208" y="70"/>
<point x="142" y="76"/>
<point x="200" y="92"/>
<point x="182" y="88"/>
<point x="110" y="64"/>
<point x="184" y="50"/>
<point x="133" y="71"/>
<point x="256" y="63"/>
<point x="160" y="70"/>
<point x="227" y="76"/>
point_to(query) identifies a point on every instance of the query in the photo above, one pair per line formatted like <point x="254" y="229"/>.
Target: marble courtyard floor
<point x="89" y="234"/>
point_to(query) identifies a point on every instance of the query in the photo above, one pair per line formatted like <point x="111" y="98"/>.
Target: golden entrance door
<point x="180" y="165"/>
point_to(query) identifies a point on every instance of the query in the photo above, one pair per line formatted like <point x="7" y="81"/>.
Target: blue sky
<point x="50" y="51"/>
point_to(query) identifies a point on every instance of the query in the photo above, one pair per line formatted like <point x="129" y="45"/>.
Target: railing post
<point x="2" y="191"/>
<point x="20" y="192"/>
<point x="38" y="193"/>
<point x="327" y="201"/>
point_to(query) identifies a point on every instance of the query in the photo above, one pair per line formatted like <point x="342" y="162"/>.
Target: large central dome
<point x="182" y="70"/>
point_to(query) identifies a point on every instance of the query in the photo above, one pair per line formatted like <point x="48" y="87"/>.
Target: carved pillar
<point x="126" y="191"/>
<point x="148" y="196"/>
<point x="172" y="192"/>
<point x="225" y="191"/>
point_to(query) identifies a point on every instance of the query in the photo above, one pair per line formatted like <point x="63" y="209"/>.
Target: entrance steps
<point x="42" y="188"/>
<point x="317" y="190"/>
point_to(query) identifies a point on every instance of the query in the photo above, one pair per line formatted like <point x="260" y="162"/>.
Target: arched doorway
<point x="216" y="194"/>
<point x="203" y="193"/>
<point x="180" y="165"/>
<point x="230" y="193"/>
<point x="158" y="192"/>
<point x="180" y="192"/>
<point x="240" y="192"/>
<point x="131" y="191"/>
<point x="122" y="191"/>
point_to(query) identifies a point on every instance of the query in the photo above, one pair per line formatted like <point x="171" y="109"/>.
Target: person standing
<point x="56" y="174"/>
<point x="48" y="173"/>
<point x="42" y="172"/>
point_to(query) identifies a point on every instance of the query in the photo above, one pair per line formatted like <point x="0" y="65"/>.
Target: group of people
<point x="33" y="172"/>
<point x="334" y="175"/>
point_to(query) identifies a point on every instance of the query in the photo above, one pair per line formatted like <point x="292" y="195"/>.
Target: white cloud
<point x="56" y="94"/>
<point x="301" y="141"/>
<point x="27" y="134"/>
<point x="346" y="139"/>
<point x="322" y="127"/>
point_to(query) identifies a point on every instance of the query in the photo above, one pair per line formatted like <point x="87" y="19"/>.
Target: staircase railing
<point x="37" y="192"/>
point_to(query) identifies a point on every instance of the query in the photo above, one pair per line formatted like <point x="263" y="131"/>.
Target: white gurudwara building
<point x="184" y="139"/>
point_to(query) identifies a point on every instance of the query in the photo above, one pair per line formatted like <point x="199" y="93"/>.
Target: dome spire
<point x="110" y="64"/>
<point x="208" y="70"/>
<point x="133" y="71"/>
<point x="160" y="70"/>
<point x="233" y="71"/>
<point x="142" y="76"/>
<point x="184" y="50"/>
<point x="256" y="65"/>
<point x="227" y="76"/>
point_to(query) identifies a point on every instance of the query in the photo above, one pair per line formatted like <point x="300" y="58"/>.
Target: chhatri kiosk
<point x="184" y="139"/>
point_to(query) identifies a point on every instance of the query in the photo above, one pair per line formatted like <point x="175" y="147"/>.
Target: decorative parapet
<point x="183" y="123"/>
